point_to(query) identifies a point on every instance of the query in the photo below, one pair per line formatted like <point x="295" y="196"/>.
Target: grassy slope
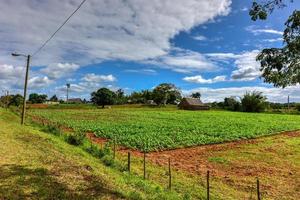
<point x="36" y="165"/>
<point x="170" y="128"/>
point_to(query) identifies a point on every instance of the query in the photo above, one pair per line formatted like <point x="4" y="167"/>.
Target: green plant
<point x="168" y="128"/>
<point x="254" y="102"/>
<point x="75" y="139"/>
<point x="108" y="160"/>
<point x="298" y="106"/>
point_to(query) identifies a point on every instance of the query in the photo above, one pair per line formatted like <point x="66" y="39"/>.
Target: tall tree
<point x="280" y="66"/>
<point x="254" y="102"/>
<point x="103" y="97"/>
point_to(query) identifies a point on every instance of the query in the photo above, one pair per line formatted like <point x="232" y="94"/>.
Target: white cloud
<point x="273" y="94"/>
<point x="200" y="79"/>
<point x="199" y="38"/>
<point x="39" y="82"/>
<point x="101" y="30"/>
<point x="142" y="71"/>
<point x="247" y="67"/>
<point x="185" y="61"/>
<point x="273" y="40"/>
<point x="58" y="70"/>
<point x="257" y="31"/>
<point x="99" y="78"/>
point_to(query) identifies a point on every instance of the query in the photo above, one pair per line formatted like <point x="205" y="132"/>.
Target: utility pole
<point x="68" y="86"/>
<point x="25" y="85"/>
<point x="25" y="90"/>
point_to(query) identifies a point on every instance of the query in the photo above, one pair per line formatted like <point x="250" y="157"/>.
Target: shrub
<point x="52" y="129"/>
<point x="298" y="106"/>
<point x="231" y="103"/>
<point x="254" y="102"/>
<point x="108" y="160"/>
<point x="75" y="139"/>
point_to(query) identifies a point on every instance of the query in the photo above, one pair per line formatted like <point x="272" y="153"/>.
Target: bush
<point x="298" y="107"/>
<point x="75" y="139"/>
<point x="94" y="150"/>
<point x="254" y="102"/>
<point x="108" y="160"/>
<point x="52" y="129"/>
<point x="231" y="103"/>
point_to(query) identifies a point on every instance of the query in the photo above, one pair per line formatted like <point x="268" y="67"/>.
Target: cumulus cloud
<point x="39" y="82"/>
<point x="247" y="67"/>
<point x="99" y="78"/>
<point x="200" y="79"/>
<point x="101" y="30"/>
<point x="273" y="94"/>
<point x="59" y="70"/>
<point x="185" y="61"/>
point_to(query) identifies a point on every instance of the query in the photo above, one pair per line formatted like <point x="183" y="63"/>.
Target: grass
<point x="153" y="129"/>
<point x="36" y="165"/>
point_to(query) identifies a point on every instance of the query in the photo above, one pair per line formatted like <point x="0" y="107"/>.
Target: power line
<point x="45" y="43"/>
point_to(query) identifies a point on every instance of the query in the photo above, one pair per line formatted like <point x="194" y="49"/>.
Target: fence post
<point x="128" y="164"/>
<point x="207" y="184"/>
<point x="144" y="164"/>
<point x="258" y="189"/>
<point x="114" y="156"/>
<point x="170" y="174"/>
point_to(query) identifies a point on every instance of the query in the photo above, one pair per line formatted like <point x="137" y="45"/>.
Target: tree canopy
<point x="166" y="93"/>
<point x="103" y="96"/>
<point x="280" y="66"/>
<point x="37" y="98"/>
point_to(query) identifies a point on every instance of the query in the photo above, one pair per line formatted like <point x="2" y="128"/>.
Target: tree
<point x="231" y="103"/>
<point x="16" y="100"/>
<point x="120" y="97"/>
<point x="54" y="98"/>
<point x="36" y="98"/>
<point x="196" y="95"/>
<point x="103" y="97"/>
<point x="280" y="66"/>
<point x="166" y="93"/>
<point x="254" y="102"/>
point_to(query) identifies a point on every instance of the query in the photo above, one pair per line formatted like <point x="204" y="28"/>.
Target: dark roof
<point x="193" y="101"/>
<point x="75" y="100"/>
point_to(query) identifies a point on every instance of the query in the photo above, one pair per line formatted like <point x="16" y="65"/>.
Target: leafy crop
<point x="153" y="129"/>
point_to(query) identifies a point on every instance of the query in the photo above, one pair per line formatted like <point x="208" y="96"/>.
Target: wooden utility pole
<point x="25" y="90"/>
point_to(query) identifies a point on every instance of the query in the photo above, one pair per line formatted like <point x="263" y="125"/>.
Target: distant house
<point x="75" y="100"/>
<point x="192" y="104"/>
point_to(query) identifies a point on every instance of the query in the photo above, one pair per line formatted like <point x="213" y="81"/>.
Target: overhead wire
<point x="60" y="27"/>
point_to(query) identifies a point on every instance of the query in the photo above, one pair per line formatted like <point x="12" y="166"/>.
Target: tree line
<point x="161" y="95"/>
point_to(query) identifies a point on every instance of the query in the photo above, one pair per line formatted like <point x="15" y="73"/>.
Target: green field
<point x="167" y="128"/>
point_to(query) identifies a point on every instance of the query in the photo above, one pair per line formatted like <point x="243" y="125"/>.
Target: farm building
<point x="75" y="100"/>
<point x="192" y="104"/>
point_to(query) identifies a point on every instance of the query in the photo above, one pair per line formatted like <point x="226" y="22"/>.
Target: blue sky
<point x="199" y="45"/>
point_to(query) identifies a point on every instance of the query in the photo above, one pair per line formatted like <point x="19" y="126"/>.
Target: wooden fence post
<point x="128" y="164"/>
<point x="207" y="184"/>
<point x="170" y="175"/>
<point x="114" y="155"/>
<point x="258" y="189"/>
<point x="144" y="164"/>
